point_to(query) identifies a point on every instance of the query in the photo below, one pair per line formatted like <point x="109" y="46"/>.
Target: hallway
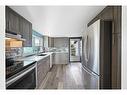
<point x="70" y="76"/>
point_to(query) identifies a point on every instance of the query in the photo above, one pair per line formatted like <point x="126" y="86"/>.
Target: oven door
<point x="26" y="80"/>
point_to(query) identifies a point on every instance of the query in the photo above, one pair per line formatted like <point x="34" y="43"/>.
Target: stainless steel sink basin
<point x="41" y="54"/>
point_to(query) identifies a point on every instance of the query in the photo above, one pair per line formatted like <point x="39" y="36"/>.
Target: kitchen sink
<point x="41" y="54"/>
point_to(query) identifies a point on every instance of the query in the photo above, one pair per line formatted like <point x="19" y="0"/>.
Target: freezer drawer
<point x="91" y="81"/>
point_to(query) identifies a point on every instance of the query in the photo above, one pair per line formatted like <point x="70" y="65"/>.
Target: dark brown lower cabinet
<point x="43" y="67"/>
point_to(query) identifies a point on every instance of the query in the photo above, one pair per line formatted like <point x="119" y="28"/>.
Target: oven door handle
<point x="9" y="82"/>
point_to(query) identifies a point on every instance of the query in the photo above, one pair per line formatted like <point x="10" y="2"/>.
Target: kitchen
<point x="36" y="60"/>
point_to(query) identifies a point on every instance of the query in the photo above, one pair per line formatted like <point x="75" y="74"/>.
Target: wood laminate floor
<point x="65" y="77"/>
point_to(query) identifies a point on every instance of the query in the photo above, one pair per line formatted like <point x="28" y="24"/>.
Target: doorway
<point x="75" y="49"/>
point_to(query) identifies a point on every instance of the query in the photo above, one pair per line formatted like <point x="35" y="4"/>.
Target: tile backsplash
<point x="30" y="50"/>
<point x="22" y="52"/>
<point x="13" y="52"/>
<point x="27" y="51"/>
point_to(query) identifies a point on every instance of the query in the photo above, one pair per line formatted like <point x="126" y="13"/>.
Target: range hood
<point x="14" y="36"/>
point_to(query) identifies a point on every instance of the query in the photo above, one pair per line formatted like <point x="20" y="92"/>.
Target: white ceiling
<point x="59" y="21"/>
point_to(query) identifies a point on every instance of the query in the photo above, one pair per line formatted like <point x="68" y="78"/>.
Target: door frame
<point x="69" y="48"/>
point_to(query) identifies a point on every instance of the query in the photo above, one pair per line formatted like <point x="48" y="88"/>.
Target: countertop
<point x="36" y="57"/>
<point x="60" y="52"/>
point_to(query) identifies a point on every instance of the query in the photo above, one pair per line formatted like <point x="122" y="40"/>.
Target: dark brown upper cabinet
<point x="117" y="19"/>
<point x="17" y="24"/>
<point x="50" y="42"/>
<point x="110" y="13"/>
<point x="12" y="21"/>
<point x="26" y="30"/>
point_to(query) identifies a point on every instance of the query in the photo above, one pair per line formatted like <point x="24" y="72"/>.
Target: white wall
<point x="2" y="49"/>
<point x="124" y="47"/>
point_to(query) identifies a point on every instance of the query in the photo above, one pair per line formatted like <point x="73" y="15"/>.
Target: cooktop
<point x="14" y="67"/>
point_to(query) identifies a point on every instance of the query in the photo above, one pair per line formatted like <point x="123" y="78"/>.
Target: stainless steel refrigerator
<point x="97" y="54"/>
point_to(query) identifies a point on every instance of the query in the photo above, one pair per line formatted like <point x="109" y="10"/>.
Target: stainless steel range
<point x="20" y="74"/>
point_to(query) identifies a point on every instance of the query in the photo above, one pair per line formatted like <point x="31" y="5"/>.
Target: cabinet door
<point x="12" y="21"/>
<point x="46" y="41"/>
<point x="50" y="42"/>
<point x="26" y="30"/>
<point x="116" y="61"/>
<point x="7" y="19"/>
<point x="117" y="19"/>
<point x="40" y="73"/>
<point x="30" y="34"/>
<point x="42" y="70"/>
<point x="47" y="62"/>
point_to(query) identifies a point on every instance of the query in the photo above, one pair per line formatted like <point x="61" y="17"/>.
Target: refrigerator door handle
<point x="87" y="49"/>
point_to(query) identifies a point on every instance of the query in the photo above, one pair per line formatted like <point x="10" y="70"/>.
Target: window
<point x="37" y="41"/>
